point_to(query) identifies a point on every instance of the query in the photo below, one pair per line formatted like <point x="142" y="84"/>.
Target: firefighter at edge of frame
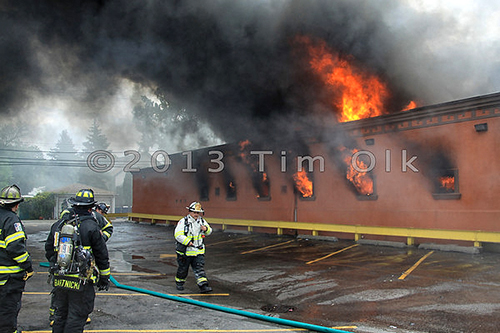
<point x="105" y="225"/>
<point x="73" y="286"/>
<point x="189" y="234"/>
<point x="15" y="261"/>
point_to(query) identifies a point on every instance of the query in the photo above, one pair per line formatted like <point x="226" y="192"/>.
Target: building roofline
<point x="473" y="108"/>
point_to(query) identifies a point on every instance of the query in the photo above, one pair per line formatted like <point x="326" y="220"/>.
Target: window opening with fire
<point x="262" y="186"/>
<point x="363" y="182"/>
<point x="304" y="185"/>
<point x="446" y="185"/>
<point x="231" y="190"/>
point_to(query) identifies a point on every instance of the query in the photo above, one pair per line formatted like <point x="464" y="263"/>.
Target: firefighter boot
<point x="205" y="288"/>
<point x="179" y="286"/>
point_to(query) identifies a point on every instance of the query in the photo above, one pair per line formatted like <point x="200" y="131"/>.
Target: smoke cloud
<point x="233" y="64"/>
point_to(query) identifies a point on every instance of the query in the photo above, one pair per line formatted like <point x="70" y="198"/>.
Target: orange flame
<point x="264" y="186"/>
<point x="362" y="94"/>
<point x="244" y="152"/>
<point x="410" y="106"/>
<point x="303" y="184"/>
<point x="361" y="180"/>
<point x="447" y="183"/>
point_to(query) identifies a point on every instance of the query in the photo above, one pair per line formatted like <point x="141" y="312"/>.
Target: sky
<point x="233" y="64"/>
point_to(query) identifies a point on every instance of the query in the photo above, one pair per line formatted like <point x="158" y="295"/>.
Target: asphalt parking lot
<point x="343" y="285"/>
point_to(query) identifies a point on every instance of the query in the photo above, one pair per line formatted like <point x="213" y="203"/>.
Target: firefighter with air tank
<point x="15" y="261"/>
<point x="78" y="259"/>
<point x="106" y="230"/>
<point x="189" y="234"/>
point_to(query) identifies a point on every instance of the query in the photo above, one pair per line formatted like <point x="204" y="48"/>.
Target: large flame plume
<point x="356" y="93"/>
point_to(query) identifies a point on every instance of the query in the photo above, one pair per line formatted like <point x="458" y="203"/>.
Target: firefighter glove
<point x="103" y="283"/>
<point x="28" y="273"/>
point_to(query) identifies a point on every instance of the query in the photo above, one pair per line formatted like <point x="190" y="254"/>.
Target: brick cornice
<point x="475" y="108"/>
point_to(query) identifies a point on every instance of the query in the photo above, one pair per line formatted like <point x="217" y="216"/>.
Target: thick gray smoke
<point x="232" y="63"/>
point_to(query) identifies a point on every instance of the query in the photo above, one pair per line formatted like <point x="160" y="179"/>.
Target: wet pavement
<point x="342" y="285"/>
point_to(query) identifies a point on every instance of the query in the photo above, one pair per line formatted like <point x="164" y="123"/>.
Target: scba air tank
<point x="65" y="246"/>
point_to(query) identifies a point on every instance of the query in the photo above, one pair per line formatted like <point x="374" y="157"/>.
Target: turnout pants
<point x="72" y="308"/>
<point x="197" y="263"/>
<point x="10" y="304"/>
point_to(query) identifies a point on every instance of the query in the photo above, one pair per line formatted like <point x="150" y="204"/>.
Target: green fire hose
<point x="279" y="321"/>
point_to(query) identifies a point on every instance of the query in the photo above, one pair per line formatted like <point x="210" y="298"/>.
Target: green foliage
<point x="39" y="206"/>
<point x="96" y="140"/>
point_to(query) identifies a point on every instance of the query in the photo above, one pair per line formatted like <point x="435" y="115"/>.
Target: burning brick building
<point x="431" y="167"/>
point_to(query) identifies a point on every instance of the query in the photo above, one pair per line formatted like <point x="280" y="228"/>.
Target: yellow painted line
<point x="185" y="330"/>
<point x="126" y="294"/>
<point x="137" y="273"/>
<point x="122" y="273"/>
<point x="331" y="254"/>
<point x="204" y="295"/>
<point x="168" y="255"/>
<point x="267" y="247"/>
<point x="466" y="235"/>
<point x="230" y="241"/>
<point x="109" y="294"/>
<point x="412" y="268"/>
<point x="195" y="330"/>
<point x="344" y="327"/>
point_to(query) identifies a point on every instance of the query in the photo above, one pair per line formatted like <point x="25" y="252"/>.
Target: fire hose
<point x="275" y="320"/>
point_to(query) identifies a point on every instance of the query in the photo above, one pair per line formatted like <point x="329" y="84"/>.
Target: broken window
<point x="304" y="185"/>
<point x="231" y="190"/>
<point x="446" y="185"/>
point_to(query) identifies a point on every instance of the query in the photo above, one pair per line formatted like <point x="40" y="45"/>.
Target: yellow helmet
<point x="10" y="195"/>
<point x="84" y="197"/>
<point x="195" y="207"/>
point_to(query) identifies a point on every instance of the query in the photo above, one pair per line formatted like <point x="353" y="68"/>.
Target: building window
<point x="204" y="193"/>
<point x="231" y="191"/>
<point x="263" y="186"/>
<point x="446" y="186"/>
<point x="369" y="189"/>
<point x="304" y="185"/>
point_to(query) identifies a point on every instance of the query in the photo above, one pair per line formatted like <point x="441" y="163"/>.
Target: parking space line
<point x="201" y="330"/>
<point x="405" y="274"/>
<point x="267" y="247"/>
<point x="331" y="254"/>
<point x="138" y="273"/>
<point x="122" y="273"/>
<point x="229" y="241"/>
<point x="168" y="255"/>
<point x="127" y="294"/>
<point x="270" y="330"/>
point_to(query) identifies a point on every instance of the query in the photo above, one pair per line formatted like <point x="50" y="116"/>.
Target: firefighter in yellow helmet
<point x="15" y="261"/>
<point x="73" y="248"/>
<point x="189" y="234"/>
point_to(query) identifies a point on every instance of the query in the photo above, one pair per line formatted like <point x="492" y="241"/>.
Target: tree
<point x="65" y="160"/>
<point x="96" y="140"/>
<point x="41" y="206"/>
<point x="165" y="125"/>
<point x="64" y="149"/>
<point x="19" y="163"/>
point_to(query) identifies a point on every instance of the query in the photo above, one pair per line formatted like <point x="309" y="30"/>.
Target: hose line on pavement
<point x="275" y="320"/>
<point x="280" y="321"/>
